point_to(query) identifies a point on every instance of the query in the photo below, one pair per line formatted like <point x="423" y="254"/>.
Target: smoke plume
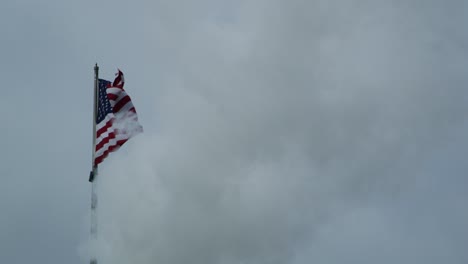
<point x="287" y="133"/>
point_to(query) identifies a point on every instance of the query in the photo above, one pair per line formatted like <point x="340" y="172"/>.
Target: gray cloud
<point x="275" y="132"/>
<point x="289" y="134"/>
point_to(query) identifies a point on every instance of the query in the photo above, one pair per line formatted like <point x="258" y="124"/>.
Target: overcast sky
<point x="321" y="131"/>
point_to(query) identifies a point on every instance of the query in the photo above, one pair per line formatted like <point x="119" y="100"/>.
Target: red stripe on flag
<point x="121" y="103"/>
<point x="112" y="96"/>
<point x="111" y="148"/>
<point x="104" y="128"/>
<point x="105" y="141"/>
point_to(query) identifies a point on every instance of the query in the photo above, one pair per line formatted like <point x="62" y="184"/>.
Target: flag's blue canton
<point x="104" y="106"/>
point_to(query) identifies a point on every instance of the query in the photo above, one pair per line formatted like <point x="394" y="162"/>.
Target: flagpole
<point x="95" y="106"/>
<point x="94" y="173"/>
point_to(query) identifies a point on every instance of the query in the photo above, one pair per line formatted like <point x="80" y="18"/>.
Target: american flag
<point x="116" y="120"/>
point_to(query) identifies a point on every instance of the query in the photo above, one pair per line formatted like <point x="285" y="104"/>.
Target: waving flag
<point x="116" y="118"/>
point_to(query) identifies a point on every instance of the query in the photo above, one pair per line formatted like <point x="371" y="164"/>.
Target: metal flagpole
<point x="94" y="173"/>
